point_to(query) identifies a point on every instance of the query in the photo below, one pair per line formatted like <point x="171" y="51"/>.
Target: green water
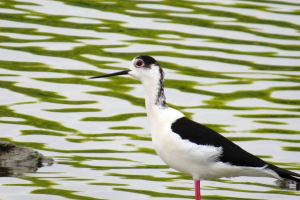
<point x="233" y="66"/>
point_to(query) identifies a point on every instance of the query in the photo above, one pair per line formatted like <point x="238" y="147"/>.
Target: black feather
<point x="232" y="153"/>
<point x="148" y="60"/>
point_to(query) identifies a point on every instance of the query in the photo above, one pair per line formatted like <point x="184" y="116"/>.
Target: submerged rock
<point x="15" y="160"/>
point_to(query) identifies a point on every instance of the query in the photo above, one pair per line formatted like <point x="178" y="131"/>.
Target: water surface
<point x="231" y="65"/>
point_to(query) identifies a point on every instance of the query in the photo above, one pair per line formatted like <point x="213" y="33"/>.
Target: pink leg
<point x="197" y="189"/>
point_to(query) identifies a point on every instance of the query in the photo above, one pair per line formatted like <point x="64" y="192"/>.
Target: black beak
<point x="113" y="74"/>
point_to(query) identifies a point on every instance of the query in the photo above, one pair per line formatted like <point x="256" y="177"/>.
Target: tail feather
<point x="286" y="174"/>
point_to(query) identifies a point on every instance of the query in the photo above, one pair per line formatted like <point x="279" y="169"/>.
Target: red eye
<point x="139" y="63"/>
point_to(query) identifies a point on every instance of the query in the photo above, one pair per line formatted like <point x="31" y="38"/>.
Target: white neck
<point x="155" y="97"/>
<point x="159" y="114"/>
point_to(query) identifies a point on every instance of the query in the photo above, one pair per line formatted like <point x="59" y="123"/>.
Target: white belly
<point x="199" y="161"/>
<point x="185" y="156"/>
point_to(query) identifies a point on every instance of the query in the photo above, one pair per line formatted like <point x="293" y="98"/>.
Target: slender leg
<point x="197" y="189"/>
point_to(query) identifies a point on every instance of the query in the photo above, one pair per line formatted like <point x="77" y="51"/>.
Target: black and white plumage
<point x="188" y="146"/>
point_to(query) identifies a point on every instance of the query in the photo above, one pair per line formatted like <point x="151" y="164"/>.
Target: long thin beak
<point x="113" y="74"/>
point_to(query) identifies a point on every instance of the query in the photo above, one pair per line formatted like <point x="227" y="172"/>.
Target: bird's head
<point x="143" y="68"/>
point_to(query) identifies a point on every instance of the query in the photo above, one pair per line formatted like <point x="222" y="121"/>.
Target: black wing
<point x="232" y="153"/>
<point x="202" y="135"/>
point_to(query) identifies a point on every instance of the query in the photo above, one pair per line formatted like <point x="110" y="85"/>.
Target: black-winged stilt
<point x="188" y="146"/>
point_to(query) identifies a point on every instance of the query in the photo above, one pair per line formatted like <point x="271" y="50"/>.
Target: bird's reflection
<point x="288" y="185"/>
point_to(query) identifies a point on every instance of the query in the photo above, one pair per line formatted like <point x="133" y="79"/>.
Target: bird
<point x="190" y="147"/>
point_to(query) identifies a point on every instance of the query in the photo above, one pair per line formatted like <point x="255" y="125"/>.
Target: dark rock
<point x="15" y="160"/>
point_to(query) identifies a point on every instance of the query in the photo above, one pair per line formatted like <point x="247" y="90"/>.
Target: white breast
<point x="179" y="154"/>
<point x="199" y="161"/>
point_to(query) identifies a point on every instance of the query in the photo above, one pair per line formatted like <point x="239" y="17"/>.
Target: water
<point x="231" y="65"/>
